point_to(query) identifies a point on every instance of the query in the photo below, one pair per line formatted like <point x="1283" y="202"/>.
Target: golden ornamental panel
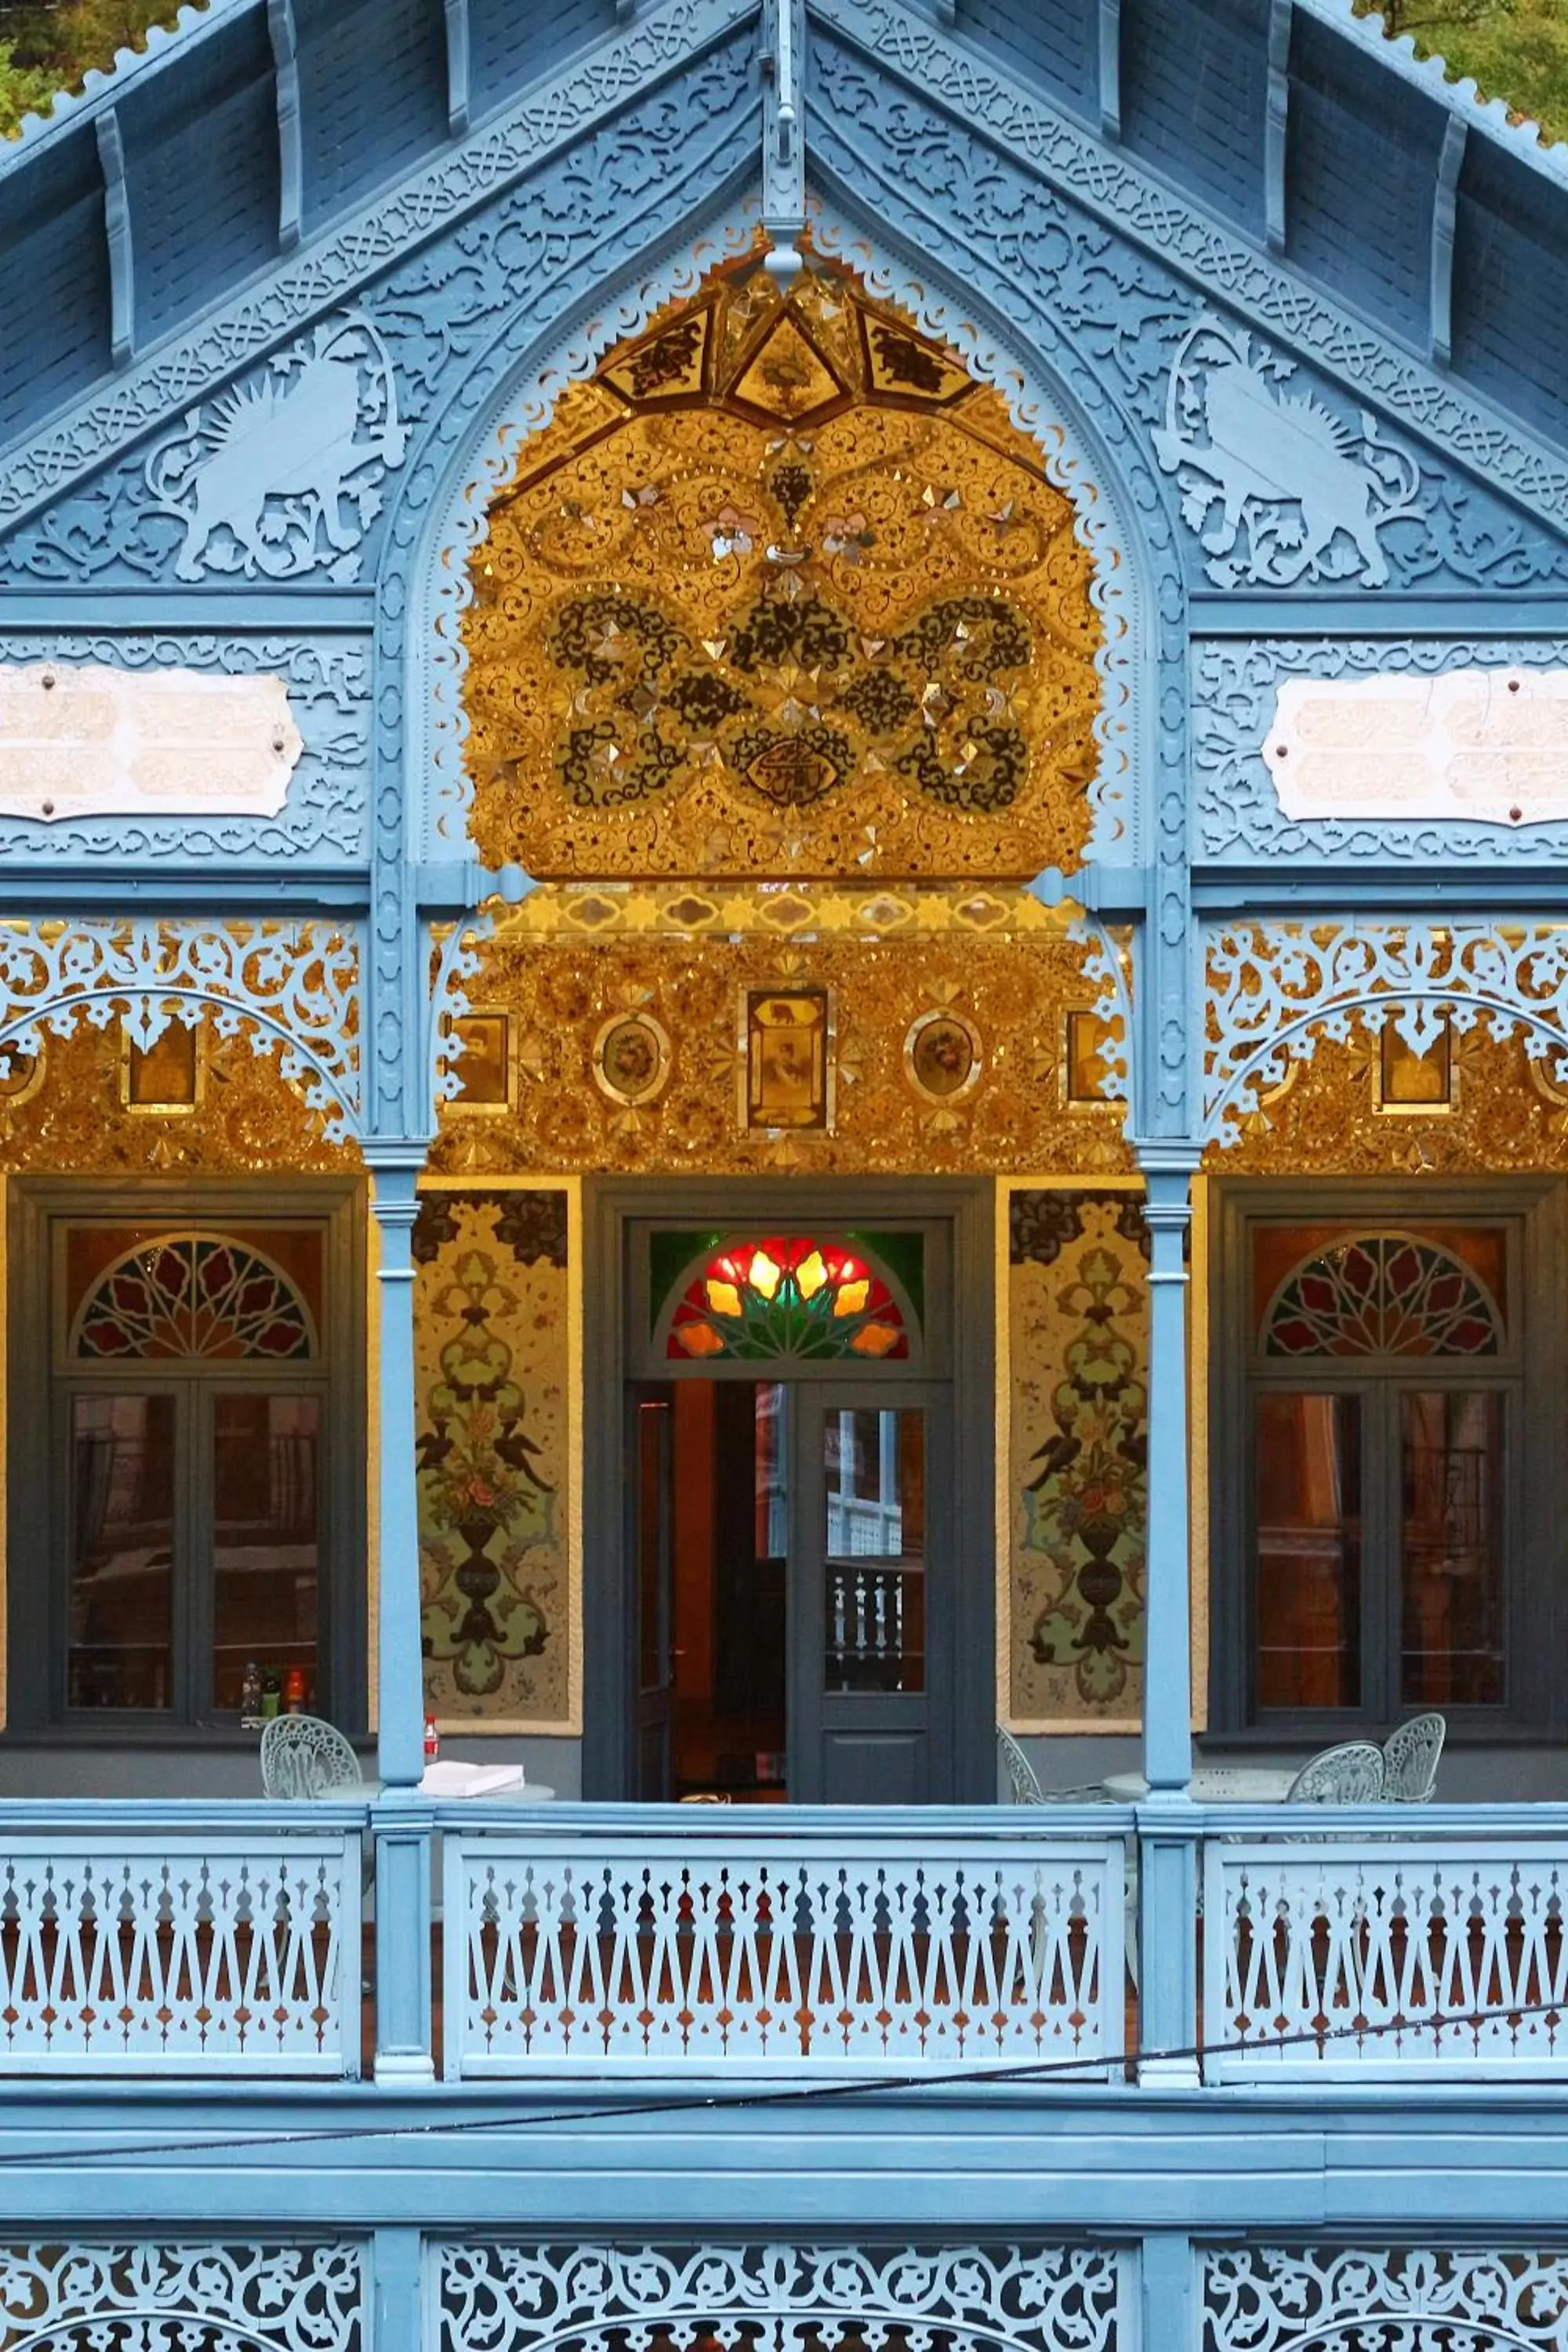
<point x="492" y="1370"/>
<point x="1076" y="1315"/>
<point x="781" y="591"/>
<point x="634" y="1054"/>
<point x="1354" y="1110"/>
<point x="74" y="1111"/>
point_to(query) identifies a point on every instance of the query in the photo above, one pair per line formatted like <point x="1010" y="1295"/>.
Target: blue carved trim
<point x="1117" y="192"/>
<point x="325" y="819"/>
<point x="1238" y="820"/>
<point x="545" y="125"/>
<point x="514" y="284"/>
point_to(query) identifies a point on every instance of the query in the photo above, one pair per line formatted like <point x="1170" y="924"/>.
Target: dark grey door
<point x="650" y="1501"/>
<point x="870" y="1594"/>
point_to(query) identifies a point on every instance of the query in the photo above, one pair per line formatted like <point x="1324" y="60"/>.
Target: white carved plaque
<point x="1484" y="745"/>
<point x="87" y="740"/>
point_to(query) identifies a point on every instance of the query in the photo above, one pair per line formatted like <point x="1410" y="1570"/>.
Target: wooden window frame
<point x="39" y="1383"/>
<point x="1535" y="1566"/>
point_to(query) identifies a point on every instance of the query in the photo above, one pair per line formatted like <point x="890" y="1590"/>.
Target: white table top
<point x="532" y="1792"/>
<point x="1215" y="1784"/>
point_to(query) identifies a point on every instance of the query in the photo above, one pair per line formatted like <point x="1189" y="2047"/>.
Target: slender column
<point x="1167" y="1823"/>
<point x="398" y="2302"/>
<point x="1170" y="2307"/>
<point x="401" y="1816"/>
<point x="1167" y="1672"/>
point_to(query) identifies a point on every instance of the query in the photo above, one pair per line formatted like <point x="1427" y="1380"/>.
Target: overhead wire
<point x="449" y="2125"/>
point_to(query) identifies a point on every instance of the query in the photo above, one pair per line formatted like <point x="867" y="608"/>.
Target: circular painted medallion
<point x="631" y="1059"/>
<point x="942" y="1055"/>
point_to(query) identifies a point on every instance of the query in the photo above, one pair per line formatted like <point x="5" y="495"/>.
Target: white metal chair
<point x="1351" y="1774"/>
<point x="1410" y="1755"/>
<point x="301" y="1756"/>
<point x="1022" y="1778"/>
<point x="1024" y="1783"/>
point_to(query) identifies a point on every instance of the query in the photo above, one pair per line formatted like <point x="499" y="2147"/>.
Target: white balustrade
<point x="607" y="1938"/>
<point x="1385" y="1953"/>
<point x="183" y="1947"/>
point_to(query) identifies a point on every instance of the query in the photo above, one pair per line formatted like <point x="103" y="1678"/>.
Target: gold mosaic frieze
<point x="1500" y="1114"/>
<point x="73" y="1111"/>
<point x="781" y="591"/>
<point x="632" y="1054"/>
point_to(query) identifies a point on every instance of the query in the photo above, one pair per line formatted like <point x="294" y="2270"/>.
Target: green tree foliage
<point x="1517" y="50"/>
<point x="47" y="44"/>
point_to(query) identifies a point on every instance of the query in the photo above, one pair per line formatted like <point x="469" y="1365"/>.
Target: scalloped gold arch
<point x="781" y="591"/>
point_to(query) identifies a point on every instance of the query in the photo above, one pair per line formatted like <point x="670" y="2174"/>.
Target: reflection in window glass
<point x="1451" y="1548"/>
<point x="1308" y="1550"/>
<point x="874" y="1468"/>
<point x="266" y="1539"/>
<point x="121" y="1560"/>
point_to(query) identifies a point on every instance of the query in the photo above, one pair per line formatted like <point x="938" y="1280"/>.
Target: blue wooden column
<point x="401" y="1816"/>
<point x="1166" y="1822"/>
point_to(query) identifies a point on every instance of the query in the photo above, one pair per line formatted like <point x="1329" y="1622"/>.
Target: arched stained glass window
<point x="786" y="1296"/>
<point x="1383" y="1294"/>
<point x="193" y="1294"/>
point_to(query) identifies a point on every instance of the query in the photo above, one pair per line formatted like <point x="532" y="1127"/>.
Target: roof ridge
<point x="103" y="86"/>
<point x="1459" y="93"/>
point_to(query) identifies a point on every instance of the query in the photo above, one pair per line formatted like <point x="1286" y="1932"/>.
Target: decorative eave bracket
<point x="782" y="61"/>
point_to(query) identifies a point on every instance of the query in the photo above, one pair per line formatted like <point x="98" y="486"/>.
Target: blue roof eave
<point x="1430" y="74"/>
<point x="69" y="110"/>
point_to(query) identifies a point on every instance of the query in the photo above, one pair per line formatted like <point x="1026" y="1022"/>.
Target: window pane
<point x="1308" y="1550"/>
<point x="121" y="1560"/>
<point x="266" y="1541"/>
<point x="1451" y="1549"/>
<point x="875" y="1465"/>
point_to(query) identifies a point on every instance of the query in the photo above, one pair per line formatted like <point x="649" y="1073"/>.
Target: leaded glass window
<point x="192" y="1464"/>
<point x="787" y="1296"/>
<point x="1376" y="1464"/>
<point x="193" y="1294"/>
<point x="1383" y="1294"/>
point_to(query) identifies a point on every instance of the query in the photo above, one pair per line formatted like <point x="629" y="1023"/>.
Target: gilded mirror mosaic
<point x="780" y="590"/>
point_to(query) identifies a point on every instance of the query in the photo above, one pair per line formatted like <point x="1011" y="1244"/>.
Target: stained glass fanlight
<point x="1383" y="1294"/>
<point x="788" y="1296"/>
<point x="193" y="1294"/>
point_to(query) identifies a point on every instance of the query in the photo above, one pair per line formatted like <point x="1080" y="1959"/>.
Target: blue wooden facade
<point x="1279" y="312"/>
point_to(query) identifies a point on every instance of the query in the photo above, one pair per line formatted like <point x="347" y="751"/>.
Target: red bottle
<point x="432" y="1740"/>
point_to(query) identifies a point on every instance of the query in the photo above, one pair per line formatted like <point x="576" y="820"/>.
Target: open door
<point x="870" y="1636"/>
<point x="651" y="1503"/>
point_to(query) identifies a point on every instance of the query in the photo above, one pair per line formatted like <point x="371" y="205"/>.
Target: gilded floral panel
<point x="632" y="1058"/>
<point x="1503" y="1114"/>
<point x="1078" y="1318"/>
<point x="491" y="1367"/>
<point x="782" y="589"/>
<point x="72" y="1112"/>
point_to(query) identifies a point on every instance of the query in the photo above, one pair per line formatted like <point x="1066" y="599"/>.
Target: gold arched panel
<point x="782" y="592"/>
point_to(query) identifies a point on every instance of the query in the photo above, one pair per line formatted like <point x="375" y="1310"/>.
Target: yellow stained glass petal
<point x="763" y="1276"/>
<point x="852" y="1299"/>
<point x="723" y="1298"/>
<point x="700" y="1339"/>
<point x="810" y="1274"/>
<point x="874" y="1339"/>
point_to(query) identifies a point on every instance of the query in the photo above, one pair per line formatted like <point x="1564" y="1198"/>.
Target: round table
<point x="1215" y="1784"/>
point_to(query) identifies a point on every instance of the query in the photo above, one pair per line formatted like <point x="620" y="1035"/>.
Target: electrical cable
<point x="790" y="2095"/>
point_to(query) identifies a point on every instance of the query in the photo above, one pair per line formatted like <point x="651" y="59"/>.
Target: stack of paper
<point x="454" y="1780"/>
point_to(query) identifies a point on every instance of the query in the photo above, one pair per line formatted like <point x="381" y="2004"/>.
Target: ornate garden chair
<point x="1348" y="1775"/>
<point x="1410" y="1756"/>
<point x="301" y="1756"/>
